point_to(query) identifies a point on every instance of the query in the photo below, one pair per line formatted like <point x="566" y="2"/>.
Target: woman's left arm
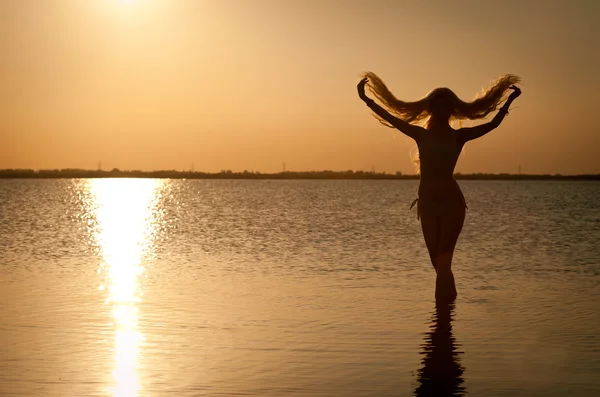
<point x="470" y="133"/>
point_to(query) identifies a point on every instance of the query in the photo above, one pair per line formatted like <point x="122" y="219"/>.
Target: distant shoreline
<point x="172" y="174"/>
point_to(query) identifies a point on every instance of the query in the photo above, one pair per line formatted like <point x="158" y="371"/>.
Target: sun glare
<point x="124" y="215"/>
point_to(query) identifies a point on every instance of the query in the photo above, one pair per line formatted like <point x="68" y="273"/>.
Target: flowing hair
<point x="418" y="112"/>
<point x="484" y="103"/>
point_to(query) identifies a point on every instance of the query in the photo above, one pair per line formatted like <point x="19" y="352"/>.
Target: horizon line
<point x="246" y="174"/>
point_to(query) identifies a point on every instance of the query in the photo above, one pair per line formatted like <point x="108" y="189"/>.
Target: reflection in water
<point x="441" y="374"/>
<point x="124" y="214"/>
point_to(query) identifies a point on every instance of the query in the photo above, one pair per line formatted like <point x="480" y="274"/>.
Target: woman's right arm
<point x="469" y="133"/>
<point x="412" y="131"/>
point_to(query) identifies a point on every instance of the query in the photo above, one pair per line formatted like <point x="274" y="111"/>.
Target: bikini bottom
<point x="438" y="206"/>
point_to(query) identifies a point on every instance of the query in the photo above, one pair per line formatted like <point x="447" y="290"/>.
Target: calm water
<point x="315" y="288"/>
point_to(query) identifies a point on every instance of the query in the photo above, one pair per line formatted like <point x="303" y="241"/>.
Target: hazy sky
<point x="250" y="84"/>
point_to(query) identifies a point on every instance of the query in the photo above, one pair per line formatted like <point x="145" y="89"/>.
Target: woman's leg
<point x="432" y="233"/>
<point x="452" y="223"/>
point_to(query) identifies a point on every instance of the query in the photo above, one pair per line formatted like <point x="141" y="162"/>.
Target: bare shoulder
<point x="416" y="132"/>
<point x="466" y="134"/>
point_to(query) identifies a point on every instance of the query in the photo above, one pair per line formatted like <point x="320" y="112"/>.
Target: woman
<point x="441" y="204"/>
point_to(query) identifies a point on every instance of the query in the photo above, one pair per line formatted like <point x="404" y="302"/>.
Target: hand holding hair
<point x="516" y="92"/>
<point x="361" y="90"/>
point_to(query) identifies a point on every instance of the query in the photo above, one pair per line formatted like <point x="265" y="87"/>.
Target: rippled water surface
<point x="124" y="287"/>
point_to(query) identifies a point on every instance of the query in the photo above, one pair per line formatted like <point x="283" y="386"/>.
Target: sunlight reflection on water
<point x="307" y="288"/>
<point x="126" y="227"/>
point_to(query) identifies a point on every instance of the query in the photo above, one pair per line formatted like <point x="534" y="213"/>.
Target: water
<point x="120" y="287"/>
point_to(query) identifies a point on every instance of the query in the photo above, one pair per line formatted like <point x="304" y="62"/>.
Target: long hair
<point x="484" y="103"/>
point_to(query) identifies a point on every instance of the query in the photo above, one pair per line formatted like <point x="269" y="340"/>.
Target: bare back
<point x="438" y="153"/>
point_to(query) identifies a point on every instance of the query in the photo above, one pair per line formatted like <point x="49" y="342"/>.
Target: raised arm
<point x="470" y="133"/>
<point x="413" y="131"/>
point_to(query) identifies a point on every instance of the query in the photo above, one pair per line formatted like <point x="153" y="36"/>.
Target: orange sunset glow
<point x="248" y="85"/>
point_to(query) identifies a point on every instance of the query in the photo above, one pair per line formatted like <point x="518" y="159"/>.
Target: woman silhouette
<point x="440" y="204"/>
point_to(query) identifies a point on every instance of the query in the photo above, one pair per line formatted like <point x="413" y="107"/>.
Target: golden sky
<point x="250" y="84"/>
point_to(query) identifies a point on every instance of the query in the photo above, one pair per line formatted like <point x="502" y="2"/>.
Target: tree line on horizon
<point x="228" y="174"/>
